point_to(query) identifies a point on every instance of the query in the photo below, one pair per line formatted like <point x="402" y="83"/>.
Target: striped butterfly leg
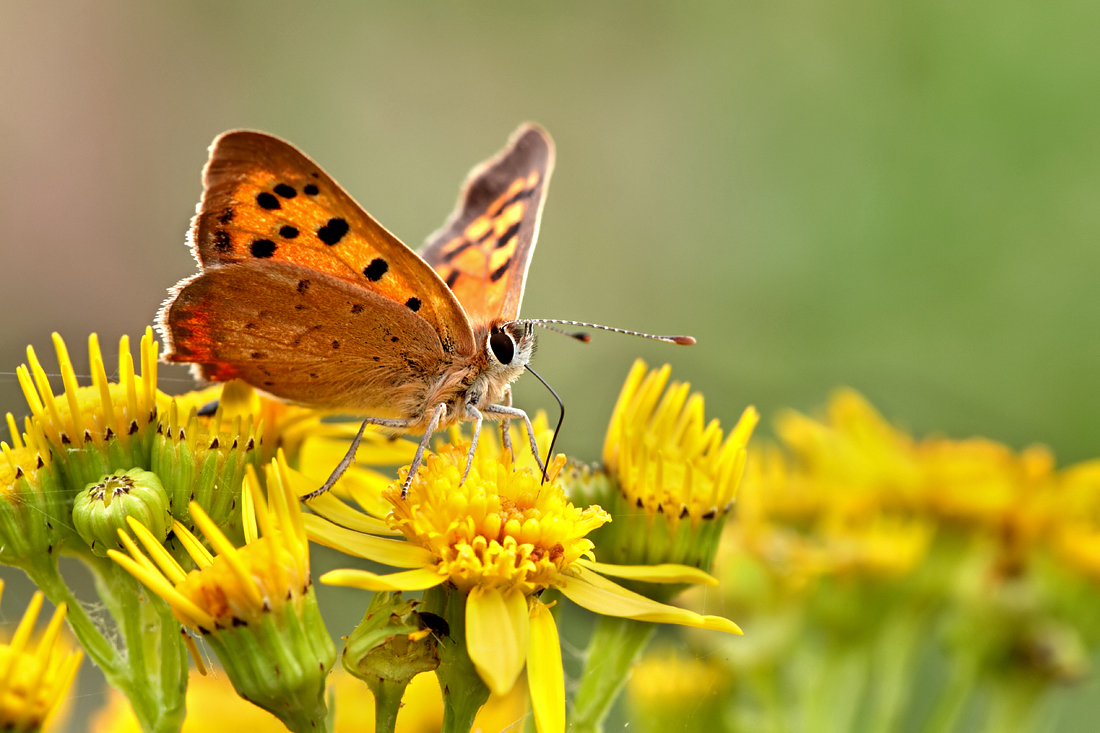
<point x="505" y="436"/>
<point x="504" y="412"/>
<point x="478" y="418"/>
<point x="437" y="415"/>
<point x="349" y="457"/>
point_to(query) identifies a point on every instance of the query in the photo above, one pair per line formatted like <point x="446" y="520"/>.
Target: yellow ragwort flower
<point x="502" y="536"/>
<point x="254" y="604"/>
<point x="34" y="676"/>
<point x="676" y="474"/>
<point x="238" y="585"/>
<point x="666" y="457"/>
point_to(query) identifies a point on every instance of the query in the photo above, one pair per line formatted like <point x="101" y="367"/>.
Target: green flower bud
<point x="34" y="508"/>
<point x="203" y="461"/>
<point x="392" y="642"/>
<point x="391" y="645"/>
<point x="102" y="508"/>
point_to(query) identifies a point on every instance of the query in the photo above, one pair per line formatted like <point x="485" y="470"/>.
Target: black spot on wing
<point x="310" y="189"/>
<point x="288" y="232"/>
<point x="226" y="216"/>
<point x="303" y="286"/>
<point x="333" y="231"/>
<point x="287" y="192"/>
<point x="376" y="269"/>
<point x="268" y="201"/>
<point x="413" y="304"/>
<point x="357" y="308"/>
<point x="263" y="248"/>
<point x="222" y="242"/>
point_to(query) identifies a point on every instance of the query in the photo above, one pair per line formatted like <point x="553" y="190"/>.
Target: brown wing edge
<point x="472" y="202"/>
<point x="170" y="354"/>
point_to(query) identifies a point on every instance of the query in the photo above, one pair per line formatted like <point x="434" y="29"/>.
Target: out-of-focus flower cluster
<point x="884" y="578"/>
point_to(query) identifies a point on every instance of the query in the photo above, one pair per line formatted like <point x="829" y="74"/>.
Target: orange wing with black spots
<point x="484" y="249"/>
<point x="264" y="201"/>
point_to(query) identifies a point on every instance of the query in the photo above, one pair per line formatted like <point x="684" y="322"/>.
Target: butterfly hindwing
<point x="483" y="250"/>
<point x="264" y="202"/>
<point x="304" y="336"/>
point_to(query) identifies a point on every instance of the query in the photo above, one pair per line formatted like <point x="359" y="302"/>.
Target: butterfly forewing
<point x="265" y="202"/>
<point x="304" y="336"/>
<point x="483" y="251"/>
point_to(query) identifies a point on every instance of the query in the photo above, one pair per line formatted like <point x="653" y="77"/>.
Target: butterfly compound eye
<point x="504" y="349"/>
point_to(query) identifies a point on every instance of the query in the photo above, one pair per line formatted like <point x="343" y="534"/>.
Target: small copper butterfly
<point x="304" y="295"/>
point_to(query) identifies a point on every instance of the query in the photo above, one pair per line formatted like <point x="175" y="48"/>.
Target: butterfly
<point x="303" y="295"/>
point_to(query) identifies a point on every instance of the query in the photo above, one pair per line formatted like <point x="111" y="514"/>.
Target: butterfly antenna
<point x="561" y="418"/>
<point x="682" y="340"/>
<point x="579" y="335"/>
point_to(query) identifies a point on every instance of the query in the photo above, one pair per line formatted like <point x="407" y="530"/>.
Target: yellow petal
<point x="496" y="636"/>
<point x="388" y="552"/>
<point x="334" y="510"/>
<point x="545" y="676"/>
<point x="666" y="573"/>
<point x="418" y="579"/>
<point x="719" y="623"/>
<point x="331" y="441"/>
<point x="599" y="594"/>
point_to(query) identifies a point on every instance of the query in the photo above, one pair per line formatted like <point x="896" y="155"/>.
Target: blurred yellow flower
<point x="35" y="674"/>
<point x="213" y="705"/>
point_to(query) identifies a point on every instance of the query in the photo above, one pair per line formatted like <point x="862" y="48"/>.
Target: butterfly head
<point x="508" y="348"/>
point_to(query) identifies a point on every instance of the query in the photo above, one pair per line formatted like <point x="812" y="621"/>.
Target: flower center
<point x="501" y="528"/>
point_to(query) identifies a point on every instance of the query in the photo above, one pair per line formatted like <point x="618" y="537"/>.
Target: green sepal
<point x="35" y="515"/>
<point x="281" y="664"/>
<point x="637" y="537"/>
<point x="208" y="470"/>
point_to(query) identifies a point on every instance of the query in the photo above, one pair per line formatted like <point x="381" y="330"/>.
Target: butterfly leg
<point x="349" y="457"/>
<point x="505" y="435"/>
<point x="437" y="415"/>
<point x="502" y="412"/>
<point x="477" y="418"/>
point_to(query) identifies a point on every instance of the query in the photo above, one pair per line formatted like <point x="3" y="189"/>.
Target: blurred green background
<point x="897" y="196"/>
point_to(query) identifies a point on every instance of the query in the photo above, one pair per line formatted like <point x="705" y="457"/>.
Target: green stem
<point x="152" y="671"/>
<point x="387" y="702"/>
<point x="765" y="685"/>
<point x="463" y="691"/>
<point x="615" y="646"/>
<point x="895" y="655"/>
<point x="833" y="702"/>
<point x="102" y="653"/>
<point x="960" y="686"/>
<point x="1012" y="707"/>
<point x="156" y="662"/>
